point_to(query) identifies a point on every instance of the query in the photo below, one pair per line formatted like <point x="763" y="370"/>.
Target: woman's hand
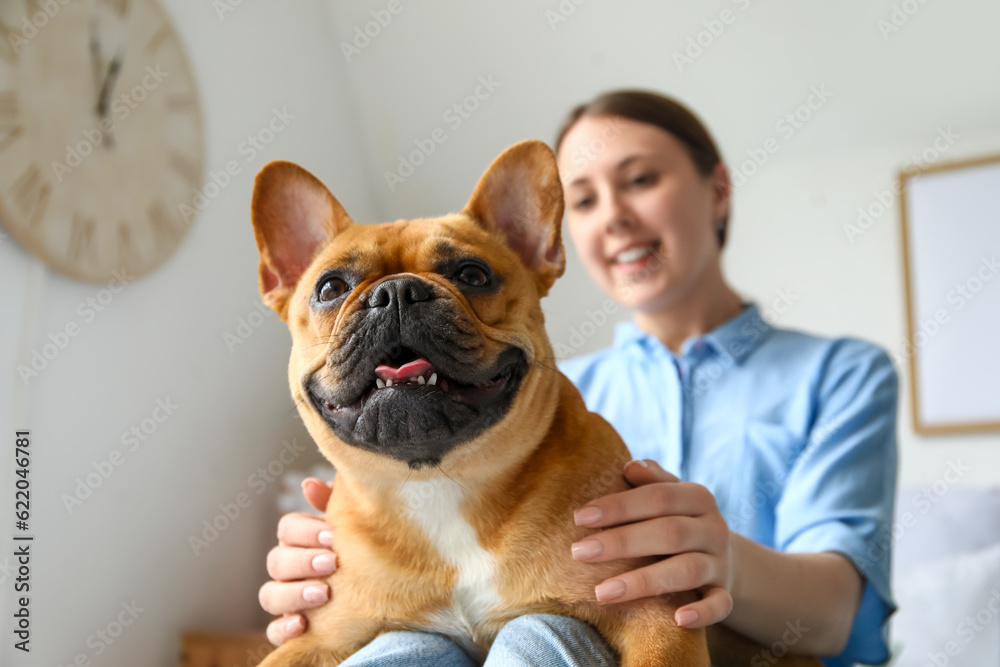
<point x="304" y="552"/>
<point x="662" y="516"/>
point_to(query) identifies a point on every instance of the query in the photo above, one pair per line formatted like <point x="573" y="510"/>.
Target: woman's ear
<point x="722" y="188"/>
<point x="723" y="191"/>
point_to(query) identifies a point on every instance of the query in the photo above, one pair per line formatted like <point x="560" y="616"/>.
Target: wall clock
<point x="101" y="134"/>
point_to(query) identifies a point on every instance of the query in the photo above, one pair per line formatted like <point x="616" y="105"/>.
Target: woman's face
<point x="642" y="218"/>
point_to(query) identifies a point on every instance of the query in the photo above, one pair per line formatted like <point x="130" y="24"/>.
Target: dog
<point x="421" y="367"/>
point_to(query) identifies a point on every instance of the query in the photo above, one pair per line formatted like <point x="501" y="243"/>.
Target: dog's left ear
<point x="294" y="215"/>
<point x="521" y="197"/>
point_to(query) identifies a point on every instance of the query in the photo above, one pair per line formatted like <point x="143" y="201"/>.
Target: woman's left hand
<point x="662" y="516"/>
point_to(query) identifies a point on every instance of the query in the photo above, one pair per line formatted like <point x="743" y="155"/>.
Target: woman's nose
<point x="618" y="217"/>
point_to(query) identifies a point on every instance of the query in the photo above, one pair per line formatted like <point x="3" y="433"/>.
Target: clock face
<point x="101" y="135"/>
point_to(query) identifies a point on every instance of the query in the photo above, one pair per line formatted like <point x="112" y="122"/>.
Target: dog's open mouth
<point x="409" y="370"/>
<point x="410" y="408"/>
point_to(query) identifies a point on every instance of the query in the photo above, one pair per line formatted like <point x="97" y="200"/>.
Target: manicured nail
<point x="294" y="626"/>
<point x="587" y="549"/>
<point x="325" y="563"/>
<point x="588" y="516"/>
<point x="641" y="462"/>
<point x="610" y="590"/>
<point x="686" y="617"/>
<point x="325" y="538"/>
<point x="314" y="594"/>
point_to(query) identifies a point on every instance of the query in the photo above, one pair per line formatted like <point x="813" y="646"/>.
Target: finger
<point x="714" y="607"/>
<point x="282" y="629"/>
<point x="646" y="502"/>
<point x="304" y="530"/>
<point x="684" y="572"/>
<point x="317" y="492"/>
<point x="647" y="471"/>
<point x="293" y="597"/>
<point x="293" y="563"/>
<point x="662" y="536"/>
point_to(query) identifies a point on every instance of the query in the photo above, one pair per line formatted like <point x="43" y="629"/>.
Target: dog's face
<point x="415" y="338"/>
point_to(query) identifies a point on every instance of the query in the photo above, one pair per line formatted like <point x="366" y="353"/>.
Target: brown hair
<point x="665" y="113"/>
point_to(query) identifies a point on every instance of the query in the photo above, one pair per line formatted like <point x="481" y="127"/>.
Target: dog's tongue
<point x="406" y="371"/>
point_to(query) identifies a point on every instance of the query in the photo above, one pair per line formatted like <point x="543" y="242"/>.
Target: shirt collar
<point x="736" y="338"/>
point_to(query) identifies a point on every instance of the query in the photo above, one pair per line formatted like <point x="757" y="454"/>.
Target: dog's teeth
<point x="434" y="379"/>
<point x="379" y="383"/>
<point x="388" y="383"/>
<point x="420" y="379"/>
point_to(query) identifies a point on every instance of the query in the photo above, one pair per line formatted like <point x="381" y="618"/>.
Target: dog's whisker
<point x="460" y="485"/>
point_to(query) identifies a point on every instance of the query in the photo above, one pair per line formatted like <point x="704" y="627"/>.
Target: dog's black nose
<point x="402" y="291"/>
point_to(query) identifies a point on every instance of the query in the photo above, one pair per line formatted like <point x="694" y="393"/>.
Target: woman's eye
<point x="470" y="274"/>
<point x="332" y="289"/>
<point x="643" y="179"/>
<point x="582" y="203"/>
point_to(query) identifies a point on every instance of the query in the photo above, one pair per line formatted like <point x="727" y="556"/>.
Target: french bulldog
<point x="421" y="367"/>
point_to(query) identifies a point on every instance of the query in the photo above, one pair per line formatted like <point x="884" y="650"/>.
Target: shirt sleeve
<point x="841" y="488"/>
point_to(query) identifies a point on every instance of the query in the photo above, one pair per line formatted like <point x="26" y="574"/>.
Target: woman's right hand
<point x="304" y="552"/>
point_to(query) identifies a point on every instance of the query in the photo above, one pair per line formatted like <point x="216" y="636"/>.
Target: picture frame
<point x="950" y="229"/>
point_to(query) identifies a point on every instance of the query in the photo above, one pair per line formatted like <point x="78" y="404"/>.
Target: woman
<point x="786" y="441"/>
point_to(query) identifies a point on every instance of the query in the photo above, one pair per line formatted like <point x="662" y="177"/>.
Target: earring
<point x="720" y="225"/>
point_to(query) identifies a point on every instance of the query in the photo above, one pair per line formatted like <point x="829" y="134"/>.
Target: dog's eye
<point x="470" y="274"/>
<point x="333" y="288"/>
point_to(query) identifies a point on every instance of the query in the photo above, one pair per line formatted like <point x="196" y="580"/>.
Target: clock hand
<point x="114" y="69"/>
<point x="104" y="101"/>
<point x="95" y="57"/>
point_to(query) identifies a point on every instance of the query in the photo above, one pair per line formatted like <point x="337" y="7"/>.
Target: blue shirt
<point x="794" y="434"/>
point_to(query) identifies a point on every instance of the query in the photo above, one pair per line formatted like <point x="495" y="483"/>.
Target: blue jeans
<point x="537" y="640"/>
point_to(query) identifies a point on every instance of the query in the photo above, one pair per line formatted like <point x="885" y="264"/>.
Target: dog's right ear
<point x="294" y="215"/>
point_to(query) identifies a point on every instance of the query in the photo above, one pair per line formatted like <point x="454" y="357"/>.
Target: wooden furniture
<point x="200" y="649"/>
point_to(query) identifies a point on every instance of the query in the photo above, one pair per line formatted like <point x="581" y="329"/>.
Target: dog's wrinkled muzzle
<point x="412" y="377"/>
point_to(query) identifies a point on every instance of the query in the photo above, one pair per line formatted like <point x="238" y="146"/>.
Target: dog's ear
<point x="520" y="196"/>
<point x="294" y="215"/>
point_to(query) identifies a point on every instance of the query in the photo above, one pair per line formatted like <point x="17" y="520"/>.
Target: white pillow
<point x="949" y="611"/>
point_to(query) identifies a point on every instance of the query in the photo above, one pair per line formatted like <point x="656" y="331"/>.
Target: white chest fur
<point x="435" y="506"/>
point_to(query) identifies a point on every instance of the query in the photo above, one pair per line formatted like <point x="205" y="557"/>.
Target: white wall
<point x="892" y="91"/>
<point x="163" y="336"/>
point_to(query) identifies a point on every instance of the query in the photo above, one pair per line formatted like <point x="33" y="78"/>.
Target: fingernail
<point x="641" y="462"/>
<point x="325" y="538"/>
<point x="610" y="590"/>
<point x="587" y="549"/>
<point x="314" y="594"/>
<point x="686" y="617"/>
<point x="587" y="516"/>
<point x="294" y="626"/>
<point x="325" y="563"/>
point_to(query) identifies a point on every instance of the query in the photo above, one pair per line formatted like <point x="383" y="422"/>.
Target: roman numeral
<point x="9" y="40"/>
<point x="31" y="192"/>
<point x="119" y="6"/>
<point x="9" y="127"/>
<point x="181" y="102"/>
<point x="186" y="168"/>
<point x="164" y="232"/>
<point x="158" y="38"/>
<point x="127" y="254"/>
<point x="81" y="239"/>
<point x="8" y="107"/>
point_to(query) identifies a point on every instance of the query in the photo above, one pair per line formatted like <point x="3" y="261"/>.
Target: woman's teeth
<point x="632" y="254"/>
